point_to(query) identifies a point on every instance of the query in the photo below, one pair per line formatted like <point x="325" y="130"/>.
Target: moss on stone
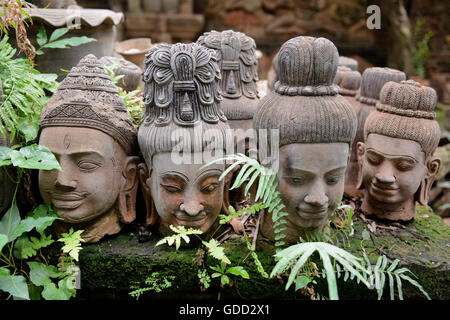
<point x="109" y="268"/>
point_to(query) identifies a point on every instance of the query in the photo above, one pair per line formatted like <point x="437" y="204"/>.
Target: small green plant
<point x="422" y="51"/>
<point x="34" y="276"/>
<point x="133" y="99"/>
<point x="55" y="41"/>
<point x="155" y="282"/>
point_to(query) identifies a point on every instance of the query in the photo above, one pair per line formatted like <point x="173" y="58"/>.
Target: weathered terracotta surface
<point x="238" y="66"/>
<point x="398" y="167"/>
<point x="85" y="124"/>
<point x="316" y="127"/>
<point x="182" y="125"/>
<point x="372" y="80"/>
<point x="350" y="63"/>
<point x="132" y="74"/>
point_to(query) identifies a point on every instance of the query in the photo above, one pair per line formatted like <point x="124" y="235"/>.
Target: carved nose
<point x="192" y="208"/>
<point x="385" y="176"/>
<point x="64" y="182"/>
<point x="316" y="199"/>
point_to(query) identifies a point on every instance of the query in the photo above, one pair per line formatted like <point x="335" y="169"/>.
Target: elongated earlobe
<point x="152" y="217"/>
<point x="360" y="149"/>
<point x="128" y="190"/>
<point x="422" y="195"/>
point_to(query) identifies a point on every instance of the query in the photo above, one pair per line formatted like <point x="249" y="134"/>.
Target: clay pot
<point x="95" y="23"/>
<point x="134" y="50"/>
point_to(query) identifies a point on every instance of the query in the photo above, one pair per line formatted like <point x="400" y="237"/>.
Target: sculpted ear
<point x="128" y="190"/>
<point x="433" y="165"/>
<point x="360" y="150"/>
<point x="144" y="178"/>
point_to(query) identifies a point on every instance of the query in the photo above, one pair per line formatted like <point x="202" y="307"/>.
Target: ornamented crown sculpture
<point x="372" y="80"/>
<point x="396" y="157"/>
<point x="182" y="108"/>
<point x="313" y="122"/>
<point x="238" y="64"/>
<point x="86" y="125"/>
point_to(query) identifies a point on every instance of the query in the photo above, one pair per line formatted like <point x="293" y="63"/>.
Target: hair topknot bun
<point x="307" y="67"/>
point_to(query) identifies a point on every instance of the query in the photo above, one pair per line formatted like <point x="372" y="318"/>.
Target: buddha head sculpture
<point x="396" y="157"/>
<point x="183" y="129"/>
<point x="86" y="125"/>
<point x="316" y="128"/>
<point x="131" y="73"/>
<point x="348" y="82"/>
<point x="350" y="63"/>
<point x="238" y="64"/>
<point x="372" y="80"/>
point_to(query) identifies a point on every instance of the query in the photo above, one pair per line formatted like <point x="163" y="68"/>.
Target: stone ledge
<point x="111" y="266"/>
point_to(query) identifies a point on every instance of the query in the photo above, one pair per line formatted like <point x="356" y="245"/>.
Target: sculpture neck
<point x="404" y="211"/>
<point x="94" y="230"/>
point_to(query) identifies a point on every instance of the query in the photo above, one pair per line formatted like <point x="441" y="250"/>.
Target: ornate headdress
<point x="88" y="98"/>
<point x="237" y="59"/>
<point x="305" y="105"/>
<point x="181" y="91"/>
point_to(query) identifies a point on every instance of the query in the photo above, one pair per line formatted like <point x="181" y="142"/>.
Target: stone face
<point x="372" y="80"/>
<point x="396" y="158"/>
<point x="85" y="124"/>
<point x="313" y="120"/>
<point x="109" y="268"/>
<point x="183" y="126"/>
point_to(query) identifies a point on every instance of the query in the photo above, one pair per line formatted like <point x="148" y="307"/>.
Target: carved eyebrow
<point x="392" y="156"/>
<point x="174" y="175"/>
<point x="81" y="153"/>
<point x="209" y="173"/>
<point x="305" y="172"/>
<point x="336" y="170"/>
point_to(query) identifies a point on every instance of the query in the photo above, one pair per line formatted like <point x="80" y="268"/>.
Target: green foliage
<point x="254" y="208"/>
<point x="216" y="251"/>
<point x="376" y="277"/>
<point x="223" y="272"/>
<point x="204" y="278"/>
<point x="297" y="255"/>
<point x="23" y="93"/>
<point x="133" y="99"/>
<point x="422" y="51"/>
<point x="41" y="278"/>
<point x="72" y="243"/>
<point x="55" y="40"/>
<point x="155" y="282"/>
<point x="180" y="233"/>
<point x="258" y="264"/>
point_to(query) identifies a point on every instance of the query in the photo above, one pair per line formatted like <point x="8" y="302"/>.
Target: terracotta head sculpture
<point x="86" y="125"/>
<point x="348" y="82"/>
<point x="238" y="64"/>
<point x="182" y="124"/>
<point x="350" y="63"/>
<point x="396" y="157"/>
<point x="316" y="128"/>
<point x="372" y="80"/>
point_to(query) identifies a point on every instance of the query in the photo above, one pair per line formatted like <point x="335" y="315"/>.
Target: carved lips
<point x="67" y="200"/>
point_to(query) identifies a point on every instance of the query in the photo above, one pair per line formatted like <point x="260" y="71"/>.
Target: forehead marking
<point x="66" y="141"/>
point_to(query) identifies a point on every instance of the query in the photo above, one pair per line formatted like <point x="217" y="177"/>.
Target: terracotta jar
<point x="316" y="128"/>
<point x="99" y="24"/>
<point x="86" y="125"/>
<point x="396" y="157"/>
<point x="183" y="128"/>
